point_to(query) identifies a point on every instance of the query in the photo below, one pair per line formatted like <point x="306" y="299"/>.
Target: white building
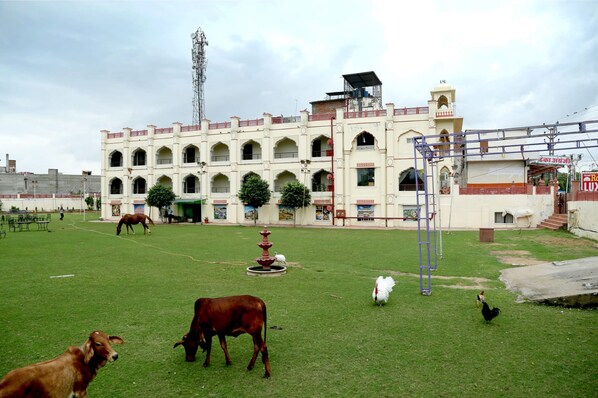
<point x="355" y="155"/>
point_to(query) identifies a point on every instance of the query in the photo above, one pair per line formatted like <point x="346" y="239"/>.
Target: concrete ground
<point x="572" y="283"/>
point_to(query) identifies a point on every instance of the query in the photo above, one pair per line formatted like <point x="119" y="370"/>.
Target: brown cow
<point x="227" y="316"/>
<point x="65" y="376"/>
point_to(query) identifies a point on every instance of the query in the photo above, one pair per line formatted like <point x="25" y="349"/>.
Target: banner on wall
<point x="589" y="181"/>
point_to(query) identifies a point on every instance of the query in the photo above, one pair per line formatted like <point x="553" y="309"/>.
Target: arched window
<point x="191" y="184"/>
<point x="220" y="184"/>
<point x="251" y="151"/>
<point x="286" y="148"/>
<point x="139" y="158"/>
<point x="248" y="176"/>
<point x="164" y="156"/>
<point x="321" y="181"/>
<point x="445" y="181"/>
<point x="139" y="186"/>
<point x="365" y="141"/>
<point x="116" y="187"/>
<point x="445" y="146"/>
<point x="442" y="102"/>
<point x="116" y="159"/>
<point x="282" y="179"/>
<point x="165" y="181"/>
<point x="220" y="153"/>
<point x="410" y="179"/>
<point x="191" y="154"/>
<point x="321" y="147"/>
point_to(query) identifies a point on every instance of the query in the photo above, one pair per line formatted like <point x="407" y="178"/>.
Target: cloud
<point x="81" y="67"/>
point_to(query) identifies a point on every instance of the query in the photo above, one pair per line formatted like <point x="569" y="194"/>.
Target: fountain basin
<point x="272" y="270"/>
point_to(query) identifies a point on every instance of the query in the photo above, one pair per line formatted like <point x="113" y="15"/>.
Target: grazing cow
<point x="65" y="376"/>
<point x="227" y="316"/>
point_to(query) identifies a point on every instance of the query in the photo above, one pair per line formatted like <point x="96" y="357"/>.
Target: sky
<point x="69" y="69"/>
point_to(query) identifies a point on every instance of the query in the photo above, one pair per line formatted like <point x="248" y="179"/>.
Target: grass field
<point x="331" y="340"/>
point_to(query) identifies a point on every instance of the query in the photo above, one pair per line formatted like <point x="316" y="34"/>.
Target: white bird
<point x="280" y="258"/>
<point x="382" y="289"/>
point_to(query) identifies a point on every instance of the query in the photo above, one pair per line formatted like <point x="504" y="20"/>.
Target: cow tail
<point x="265" y="322"/>
<point x="150" y="220"/>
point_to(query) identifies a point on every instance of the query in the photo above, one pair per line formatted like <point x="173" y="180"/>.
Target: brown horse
<point x="130" y="219"/>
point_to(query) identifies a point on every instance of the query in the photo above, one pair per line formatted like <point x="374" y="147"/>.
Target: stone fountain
<point x="265" y="267"/>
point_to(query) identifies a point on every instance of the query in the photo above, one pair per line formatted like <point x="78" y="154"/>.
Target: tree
<point x="89" y="202"/>
<point x="99" y="204"/>
<point x="255" y="192"/>
<point x="160" y="196"/>
<point x="295" y="195"/>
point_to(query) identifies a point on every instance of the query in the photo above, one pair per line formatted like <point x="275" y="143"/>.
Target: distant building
<point x="30" y="191"/>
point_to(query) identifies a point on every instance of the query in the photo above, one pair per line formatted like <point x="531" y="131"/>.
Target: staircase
<point x="554" y="222"/>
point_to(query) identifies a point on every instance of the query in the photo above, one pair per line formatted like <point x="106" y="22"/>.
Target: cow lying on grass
<point x="64" y="376"/>
<point x="227" y="316"/>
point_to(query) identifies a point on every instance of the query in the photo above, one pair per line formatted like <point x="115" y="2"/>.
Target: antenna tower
<point x="198" y="55"/>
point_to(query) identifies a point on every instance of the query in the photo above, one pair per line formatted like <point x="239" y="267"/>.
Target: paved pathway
<point x="571" y="283"/>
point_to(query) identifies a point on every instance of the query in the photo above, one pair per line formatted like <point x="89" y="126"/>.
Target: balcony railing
<point x="444" y="113"/>
<point x="291" y="119"/>
<point x="220" y="189"/>
<point x="194" y="127"/>
<point x="411" y="111"/>
<point x="252" y="122"/>
<point x="220" y="158"/>
<point x="286" y="155"/>
<point x="501" y="191"/>
<point x="411" y="187"/>
<point x="319" y="154"/>
<point x="353" y="115"/>
<point x="286" y="119"/>
<point x="252" y="156"/>
<point x="221" y="125"/>
<point x="190" y="159"/>
<point x="164" y="161"/>
<point x="321" y="188"/>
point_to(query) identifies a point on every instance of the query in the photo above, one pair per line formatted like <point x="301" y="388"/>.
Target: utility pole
<point x="552" y="134"/>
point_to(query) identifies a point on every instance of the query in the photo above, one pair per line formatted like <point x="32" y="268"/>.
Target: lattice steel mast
<point x="198" y="55"/>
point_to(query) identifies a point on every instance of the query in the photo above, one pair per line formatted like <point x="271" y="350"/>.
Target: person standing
<point x="61" y="213"/>
<point x="169" y="215"/>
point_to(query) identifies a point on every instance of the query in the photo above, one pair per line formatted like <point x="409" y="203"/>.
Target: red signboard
<point x="589" y="181"/>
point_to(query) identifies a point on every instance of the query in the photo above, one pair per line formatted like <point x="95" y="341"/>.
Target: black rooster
<point x="489" y="314"/>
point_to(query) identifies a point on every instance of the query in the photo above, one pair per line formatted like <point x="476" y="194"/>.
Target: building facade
<point x="359" y="162"/>
<point x="45" y="192"/>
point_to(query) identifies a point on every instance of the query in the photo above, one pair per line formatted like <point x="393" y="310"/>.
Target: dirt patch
<point x="562" y="242"/>
<point x="519" y="261"/>
<point x="471" y="283"/>
<point x="510" y="252"/>
<point x="516" y="257"/>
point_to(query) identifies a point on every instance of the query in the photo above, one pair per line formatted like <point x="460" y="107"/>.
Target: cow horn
<point x="178" y="343"/>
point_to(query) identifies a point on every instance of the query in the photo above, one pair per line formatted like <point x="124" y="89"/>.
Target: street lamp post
<point x="305" y="171"/>
<point x="201" y="172"/>
<point x="83" y="203"/>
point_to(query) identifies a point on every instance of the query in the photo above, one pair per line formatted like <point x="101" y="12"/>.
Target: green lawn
<point x="333" y="341"/>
